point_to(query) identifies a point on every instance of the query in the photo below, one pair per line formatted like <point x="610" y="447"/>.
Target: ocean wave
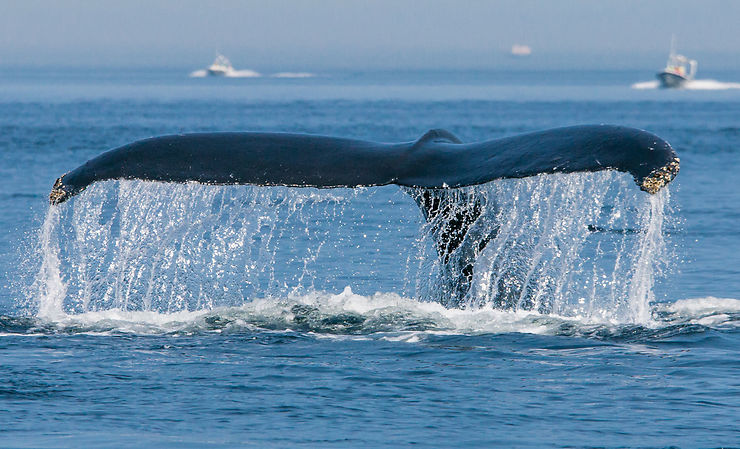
<point x="382" y="315"/>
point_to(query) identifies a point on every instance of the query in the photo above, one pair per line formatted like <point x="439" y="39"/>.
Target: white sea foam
<point x="382" y="315"/>
<point x="246" y="73"/>
<point x="321" y="313"/>
<point x="646" y="85"/>
<point x="710" y="304"/>
<point x="709" y="311"/>
<point x="710" y="85"/>
<point x="706" y="84"/>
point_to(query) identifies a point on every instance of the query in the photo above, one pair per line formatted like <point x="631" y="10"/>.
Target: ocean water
<point x="154" y="315"/>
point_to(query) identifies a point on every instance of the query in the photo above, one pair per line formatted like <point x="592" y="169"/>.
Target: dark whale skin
<point x="438" y="160"/>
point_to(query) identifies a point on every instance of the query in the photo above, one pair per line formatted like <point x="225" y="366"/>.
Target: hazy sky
<point x="310" y="35"/>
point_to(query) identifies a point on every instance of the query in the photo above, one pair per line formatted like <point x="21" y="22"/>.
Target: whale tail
<point x="450" y="215"/>
<point x="455" y="220"/>
<point x="437" y="170"/>
<point x="459" y="219"/>
<point x="437" y="135"/>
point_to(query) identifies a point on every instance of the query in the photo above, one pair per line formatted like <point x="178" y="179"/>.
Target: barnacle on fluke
<point x="58" y="193"/>
<point x="660" y="177"/>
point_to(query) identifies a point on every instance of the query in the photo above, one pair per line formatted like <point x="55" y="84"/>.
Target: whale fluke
<point x="438" y="160"/>
<point x="429" y="169"/>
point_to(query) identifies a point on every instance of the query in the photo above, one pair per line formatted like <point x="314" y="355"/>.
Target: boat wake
<point x="690" y="85"/>
<point x="229" y="74"/>
<point x="293" y="75"/>
<point x="252" y="74"/>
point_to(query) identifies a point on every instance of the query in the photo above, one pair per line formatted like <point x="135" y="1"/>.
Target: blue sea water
<point x="153" y="315"/>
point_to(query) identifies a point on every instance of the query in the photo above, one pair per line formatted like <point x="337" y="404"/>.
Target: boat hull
<point x="671" y="80"/>
<point x="217" y="72"/>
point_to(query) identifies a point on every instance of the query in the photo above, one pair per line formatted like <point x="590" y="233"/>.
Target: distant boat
<point x="221" y="66"/>
<point x="678" y="70"/>
<point x="520" y="50"/>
